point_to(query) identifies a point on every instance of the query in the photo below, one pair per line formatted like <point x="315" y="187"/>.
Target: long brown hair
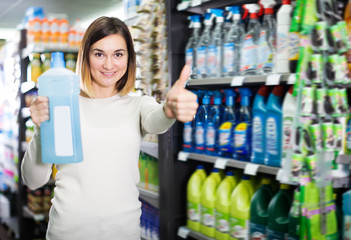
<point x="100" y="28"/>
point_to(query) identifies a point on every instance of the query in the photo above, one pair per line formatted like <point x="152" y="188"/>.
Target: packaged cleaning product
<point x="61" y="140"/>
<point x="214" y="122"/>
<point x="208" y="202"/>
<point x="223" y="194"/>
<point x="346" y="207"/>
<point x="201" y="121"/>
<point x="294" y="217"/>
<point x="194" y="198"/>
<point x="289" y="112"/>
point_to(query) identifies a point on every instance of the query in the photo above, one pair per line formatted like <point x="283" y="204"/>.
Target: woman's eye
<point x="119" y="54"/>
<point x="98" y="54"/>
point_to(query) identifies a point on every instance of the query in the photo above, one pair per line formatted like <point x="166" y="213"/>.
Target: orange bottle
<point x="54" y="29"/>
<point x="45" y="30"/>
<point x="63" y="32"/>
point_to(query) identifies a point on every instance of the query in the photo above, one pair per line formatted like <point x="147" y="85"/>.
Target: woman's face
<point x="108" y="60"/>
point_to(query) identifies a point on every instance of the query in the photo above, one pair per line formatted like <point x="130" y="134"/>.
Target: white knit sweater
<point x="97" y="199"/>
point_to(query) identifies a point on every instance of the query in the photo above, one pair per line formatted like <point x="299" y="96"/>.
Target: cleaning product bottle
<point x="224" y="191"/>
<point x="188" y="133"/>
<point x="346" y="208"/>
<point x="289" y="113"/>
<point x="294" y="35"/>
<point x="274" y="119"/>
<point x="242" y="134"/>
<point x="278" y="214"/>
<point x="208" y="202"/>
<point x="201" y="124"/>
<point x="259" y="210"/>
<point x="258" y="126"/>
<point x="61" y="140"/>
<point x="214" y="122"/>
<point x="194" y="198"/>
<point x="240" y="202"/>
<point x="249" y="55"/>
<point x="202" y="47"/>
<point x="215" y="46"/>
<point x="283" y="26"/>
<point x="232" y="43"/>
<point x="226" y="130"/>
<point x="267" y="38"/>
<point x="190" y="57"/>
<point x="294" y="217"/>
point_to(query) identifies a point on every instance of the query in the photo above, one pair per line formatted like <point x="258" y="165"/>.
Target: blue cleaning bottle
<point x="61" y="140"/>
<point x="190" y="56"/>
<point x="201" y="124"/>
<point x="226" y="130"/>
<point x="242" y="134"/>
<point x="188" y="133"/>
<point x="258" y="125"/>
<point x="274" y="119"/>
<point x="214" y="122"/>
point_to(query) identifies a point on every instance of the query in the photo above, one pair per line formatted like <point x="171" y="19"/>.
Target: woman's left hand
<point x="181" y="103"/>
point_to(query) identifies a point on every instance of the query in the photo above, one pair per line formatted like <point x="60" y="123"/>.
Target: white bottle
<point x="283" y="26"/>
<point x="289" y="112"/>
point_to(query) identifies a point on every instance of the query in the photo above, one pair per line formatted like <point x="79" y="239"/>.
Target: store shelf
<point x="29" y="214"/>
<point x="222" y="163"/>
<point x="39" y="48"/>
<point x="12" y="225"/>
<point x="28" y="86"/>
<point x="149" y="196"/>
<point x="272" y="79"/>
<point x="150" y="148"/>
<point x="185" y="232"/>
<point x="25" y="112"/>
<point x="200" y="8"/>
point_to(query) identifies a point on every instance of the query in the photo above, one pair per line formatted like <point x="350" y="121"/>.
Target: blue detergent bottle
<point x="226" y="130"/>
<point x="258" y="125"/>
<point x="201" y="124"/>
<point x="242" y="134"/>
<point x="188" y="133"/>
<point x="274" y="119"/>
<point x="346" y="208"/>
<point x="214" y="121"/>
<point x="61" y="140"/>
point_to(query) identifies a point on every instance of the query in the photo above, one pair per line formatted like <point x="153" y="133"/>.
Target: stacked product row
<point x="149" y="222"/>
<point x="148" y="168"/>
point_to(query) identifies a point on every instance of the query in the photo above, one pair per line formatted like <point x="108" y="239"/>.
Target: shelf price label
<point x="237" y="81"/>
<point x="183" y="232"/>
<point x="195" y="2"/>
<point x="292" y="78"/>
<point x="220" y="163"/>
<point x="183" y="156"/>
<point x="273" y="79"/>
<point x="183" y="5"/>
<point x="251" y="169"/>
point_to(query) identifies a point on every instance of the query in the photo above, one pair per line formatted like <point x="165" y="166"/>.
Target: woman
<point x="98" y="198"/>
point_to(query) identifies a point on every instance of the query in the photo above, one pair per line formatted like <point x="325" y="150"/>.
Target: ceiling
<point x="12" y="12"/>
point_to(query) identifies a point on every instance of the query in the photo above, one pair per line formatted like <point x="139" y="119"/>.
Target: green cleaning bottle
<point x="278" y="214"/>
<point x="294" y="217"/>
<point x="208" y="200"/>
<point x="194" y="198"/>
<point x="224" y="192"/>
<point x="259" y="210"/>
<point x="240" y="202"/>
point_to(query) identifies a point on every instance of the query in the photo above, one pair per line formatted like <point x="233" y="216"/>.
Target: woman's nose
<point x="108" y="63"/>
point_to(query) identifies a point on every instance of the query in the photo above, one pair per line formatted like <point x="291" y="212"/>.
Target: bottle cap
<point x="200" y="167"/>
<point x="245" y="177"/>
<point x="229" y="173"/>
<point x="215" y="170"/>
<point x="57" y="60"/>
<point x="263" y="91"/>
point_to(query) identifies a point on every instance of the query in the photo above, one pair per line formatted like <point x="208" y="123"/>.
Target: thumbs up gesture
<point x="181" y="103"/>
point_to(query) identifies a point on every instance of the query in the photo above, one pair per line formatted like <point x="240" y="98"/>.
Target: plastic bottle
<point x="201" y="121"/>
<point x="35" y="67"/>
<point x="61" y="140"/>
<point x="294" y="217"/>
<point x="283" y="26"/>
<point x="274" y="118"/>
<point x="190" y="56"/>
<point x="278" y="214"/>
<point x="267" y="38"/>
<point x="226" y="130"/>
<point x="346" y="208"/>
<point x="259" y="210"/>
<point x="215" y="47"/>
<point x="208" y="202"/>
<point x="194" y="198"/>
<point x="240" y="202"/>
<point x="223" y="194"/>
<point x="232" y="42"/>
<point x="214" y="122"/>
<point x="259" y="125"/>
<point x="347" y="17"/>
<point x="249" y="55"/>
<point x="188" y="134"/>
<point x="242" y="134"/>
<point x="294" y="35"/>
<point x="201" y="49"/>
<point x="289" y="113"/>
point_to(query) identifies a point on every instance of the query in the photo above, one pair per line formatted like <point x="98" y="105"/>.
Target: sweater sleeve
<point x="35" y="173"/>
<point x="153" y="118"/>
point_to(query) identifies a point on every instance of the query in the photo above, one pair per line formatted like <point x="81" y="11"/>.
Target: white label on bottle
<point x="63" y="131"/>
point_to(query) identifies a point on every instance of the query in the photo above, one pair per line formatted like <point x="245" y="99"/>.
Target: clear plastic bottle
<point x="232" y="43"/>
<point x="201" y="49"/>
<point x="215" y="47"/>
<point x="201" y="124"/>
<point x="214" y="121"/>
<point x="61" y="140"/>
<point x="190" y="56"/>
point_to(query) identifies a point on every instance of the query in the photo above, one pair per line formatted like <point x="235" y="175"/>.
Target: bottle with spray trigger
<point x="190" y="57"/>
<point x="248" y="63"/>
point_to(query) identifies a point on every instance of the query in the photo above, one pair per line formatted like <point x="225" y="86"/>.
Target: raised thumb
<point x="184" y="76"/>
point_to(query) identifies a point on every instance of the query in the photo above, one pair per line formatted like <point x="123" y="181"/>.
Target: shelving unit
<point x="150" y="197"/>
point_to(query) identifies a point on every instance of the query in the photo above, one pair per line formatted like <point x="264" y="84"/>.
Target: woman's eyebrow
<point x="117" y="50"/>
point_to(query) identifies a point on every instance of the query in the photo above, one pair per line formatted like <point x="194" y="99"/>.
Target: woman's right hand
<point x="39" y="110"/>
